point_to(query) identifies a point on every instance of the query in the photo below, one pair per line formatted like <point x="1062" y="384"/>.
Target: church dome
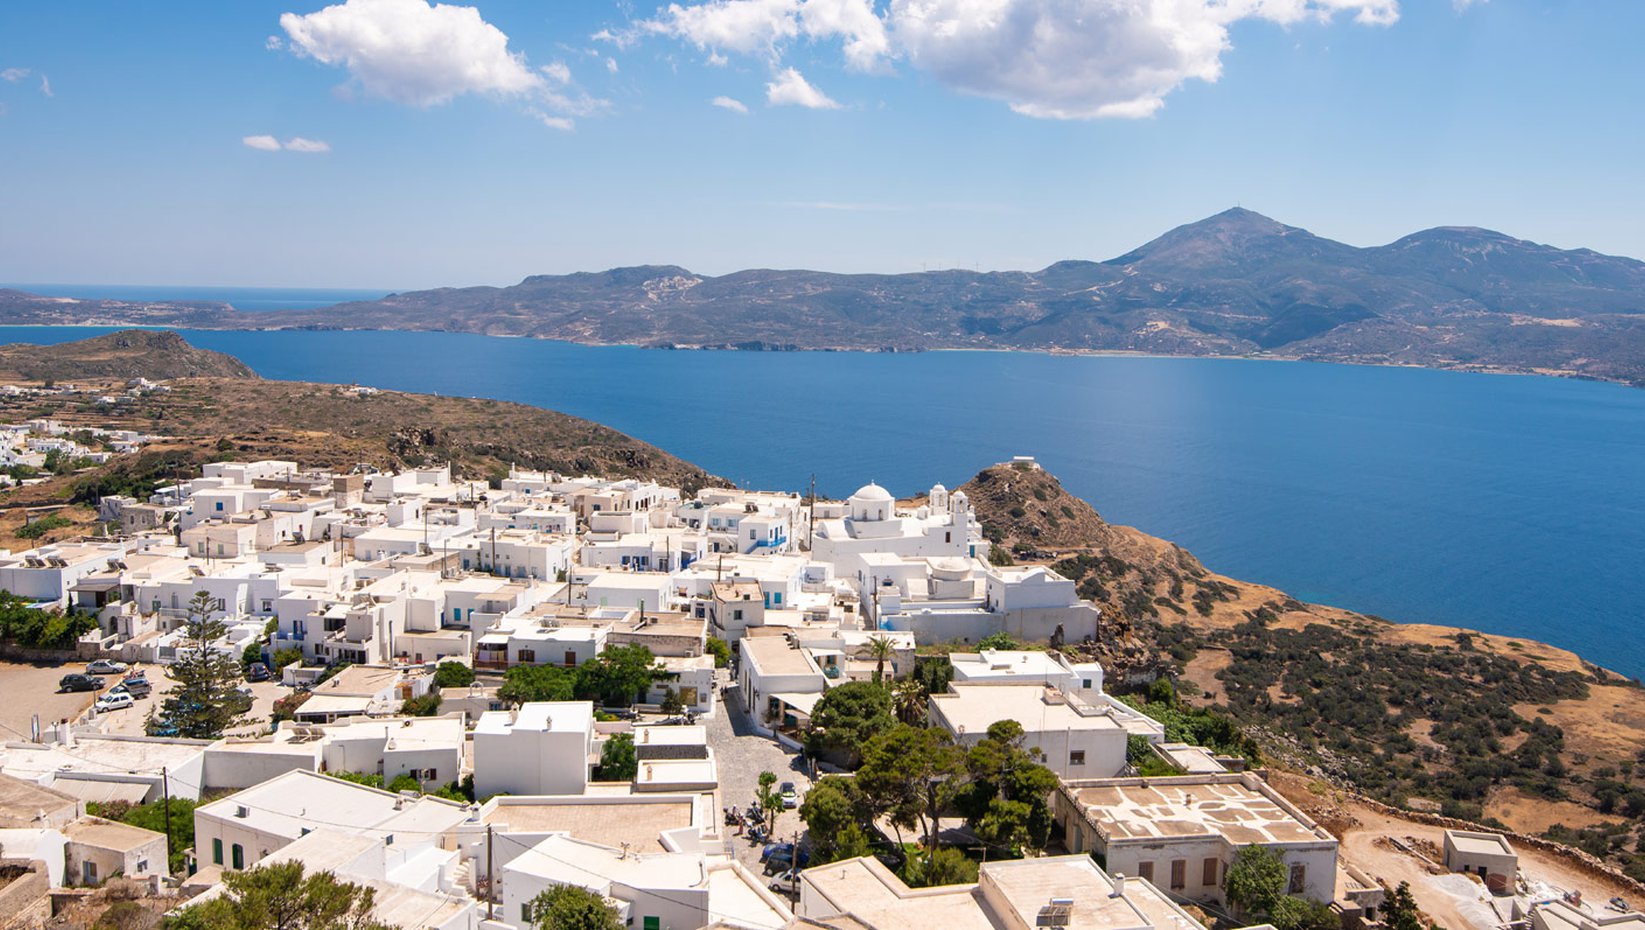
<point x="872" y="492"/>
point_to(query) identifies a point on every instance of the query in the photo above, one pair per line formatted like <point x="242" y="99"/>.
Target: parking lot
<point x="742" y="754"/>
<point x="130" y="720"/>
<point x="27" y="689"/>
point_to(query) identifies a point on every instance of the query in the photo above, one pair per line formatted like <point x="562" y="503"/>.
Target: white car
<point x="105" y="667"/>
<point x="115" y="700"/>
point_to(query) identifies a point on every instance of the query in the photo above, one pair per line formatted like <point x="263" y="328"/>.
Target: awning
<point x="102" y="792"/>
<point x="804" y="703"/>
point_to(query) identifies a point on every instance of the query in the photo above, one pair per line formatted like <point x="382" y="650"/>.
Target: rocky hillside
<point x="1477" y="726"/>
<point x="133" y="353"/>
<point x="1237" y="283"/>
<point x="319" y="425"/>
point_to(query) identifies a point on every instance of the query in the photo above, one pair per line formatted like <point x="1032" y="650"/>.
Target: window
<point x="219" y="506"/>
<point x="88" y="871"/>
<point x="653" y="923"/>
<point x="142" y="865"/>
<point x="528" y="655"/>
<point x="737" y="614"/>
<point x="525" y="913"/>
<point x="1145" y="870"/>
<point x="1179" y="874"/>
<point x="238" y="856"/>
<point x="1299" y="879"/>
<point x="1076" y="757"/>
<point x="216" y="852"/>
<point x="570" y="658"/>
<point x="1209" y="878"/>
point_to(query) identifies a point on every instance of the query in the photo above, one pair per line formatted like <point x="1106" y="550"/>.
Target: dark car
<point x="257" y="671"/>
<point x="136" y="687"/>
<point x="79" y="682"/>
<point x="783" y="860"/>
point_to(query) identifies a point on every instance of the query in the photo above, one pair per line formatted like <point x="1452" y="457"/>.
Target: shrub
<point x="453" y="675"/>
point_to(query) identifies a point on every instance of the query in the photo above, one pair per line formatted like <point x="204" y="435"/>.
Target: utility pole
<point x="491" y="892"/>
<point x="794" y="865"/>
<point x="811" y="515"/>
<point x="165" y="791"/>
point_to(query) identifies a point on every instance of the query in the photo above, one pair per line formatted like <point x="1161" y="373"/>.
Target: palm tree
<point x="880" y="648"/>
<point x="908" y="701"/>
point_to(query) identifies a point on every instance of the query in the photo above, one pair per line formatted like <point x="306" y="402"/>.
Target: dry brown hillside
<point x="132" y="353"/>
<point x="1483" y="727"/>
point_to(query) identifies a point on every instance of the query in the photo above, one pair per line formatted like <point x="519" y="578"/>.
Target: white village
<point x="726" y="708"/>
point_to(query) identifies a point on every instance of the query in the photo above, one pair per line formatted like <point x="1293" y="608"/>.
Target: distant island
<point x="1235" y="284"/>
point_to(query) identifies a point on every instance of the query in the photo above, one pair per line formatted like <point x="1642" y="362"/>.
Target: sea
<point x="1508" y="504"/>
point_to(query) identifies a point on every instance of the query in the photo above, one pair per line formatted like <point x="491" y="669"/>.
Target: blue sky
<point x="387" y="143"/>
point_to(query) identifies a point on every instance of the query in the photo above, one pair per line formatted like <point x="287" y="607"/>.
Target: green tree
<point x="424" y="705"/>
<point x="526" y="683"/>
<point x="1007" y="801"/>
<point x="909" y="701"/>
<point x="572" y="907"/>
<point x="618" y="760"/>
<point x="453" y="675"/>
<point x="944" y="866"/>
<point x="1400" y="911"/>
<point x="720" y="650"/>
<point x="847" y="717"/>
<point x="671" y="703"/>
<point x="913" y="774"/>
<point x="881" y="650"/>
<point x="617" y="676"/>
<point x="833" y="816"/>
<point x="203" y="702"/>
<point x="770" y="798"/>
<point x="282" y="897"/>
<point x="252" y="654"/>
<point x="1256" y="880"/>
<point x="1294" y="913"/>
<point x="285" y="657"/>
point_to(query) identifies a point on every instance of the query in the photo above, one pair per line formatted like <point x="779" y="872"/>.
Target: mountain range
<point x="1237" y="283"/>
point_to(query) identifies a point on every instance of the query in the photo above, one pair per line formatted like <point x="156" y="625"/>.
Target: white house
<point x="540" y="748"/>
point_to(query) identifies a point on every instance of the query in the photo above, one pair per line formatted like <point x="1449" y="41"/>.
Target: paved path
<point x="742" y="754"/>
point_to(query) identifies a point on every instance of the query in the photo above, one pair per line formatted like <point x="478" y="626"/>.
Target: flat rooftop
<point x="774" y="655"/>
<point x="1038" y="708"/>
<point x="638" y="822"/>
<point x="1028" y="885"/>
<point x="1190" y="806"/>
<point x="552" y="716"/>
<point x="868" y="891"/>
<point x="1479" y="844"/>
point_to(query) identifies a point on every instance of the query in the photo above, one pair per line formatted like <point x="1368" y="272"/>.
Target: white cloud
<point x="273" y="43"/>
<point x="267" y="143"/>
<point x="411" y="51"/>
<point x="611" y="65"/>
<point x="1462" y="5"/>
<point x="1055" y="59"/>
<point x="561" y="123"/>
<point x="730" y="103"/>
<point x="1083" y="59"/>
<point x="13" y="75"/>
<point x="45" y="86"/>
<point x="311" y="146"/>
<point x="763" y="27"/>
<point x="557" y="71"/>
<point x="790" y="88"/>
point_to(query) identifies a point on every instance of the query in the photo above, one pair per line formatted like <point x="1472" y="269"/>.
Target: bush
<point x="947" y="866"/>
<point x="426" y="705"/>
<point x="720" y="650"/>
<point x="618" y="761"/>
<point x="1001" y="641"/>
<point x="42" y="526"/>
<point x="453" y="675"/>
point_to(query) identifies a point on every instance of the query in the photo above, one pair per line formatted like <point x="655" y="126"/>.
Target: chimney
<point x="1119" y="885"/>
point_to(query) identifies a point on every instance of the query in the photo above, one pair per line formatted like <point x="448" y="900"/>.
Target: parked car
<point x="75" y="681"/>
<point x="257" y="671"/>
<point x="790" y="795"/>
<point x="784" y="860"/>
<point x="772" y="849"/>
<point x="138" y="689"/>
<point x="785" y="882"/>
<point x="105" y="667"/>
<point x="115" y="700"/>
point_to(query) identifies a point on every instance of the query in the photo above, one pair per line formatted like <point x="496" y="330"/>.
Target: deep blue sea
<point x="1514" y="505"/>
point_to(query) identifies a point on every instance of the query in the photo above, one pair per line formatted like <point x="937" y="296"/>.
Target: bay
<point x="1514" y="505"/>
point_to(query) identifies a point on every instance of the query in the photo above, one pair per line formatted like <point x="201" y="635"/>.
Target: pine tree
<point x="204" y="701"/>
